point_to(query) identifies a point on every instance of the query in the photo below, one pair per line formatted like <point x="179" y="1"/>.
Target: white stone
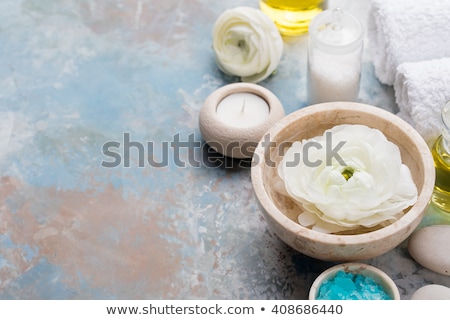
<point x="432" y="292"/>
<point x="429" y="247"/>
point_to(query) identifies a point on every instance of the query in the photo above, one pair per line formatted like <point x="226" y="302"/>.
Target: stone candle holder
<point x="233" y="141"/>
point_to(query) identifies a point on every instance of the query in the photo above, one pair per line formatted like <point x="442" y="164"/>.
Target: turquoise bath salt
<point x="348" y="286"/>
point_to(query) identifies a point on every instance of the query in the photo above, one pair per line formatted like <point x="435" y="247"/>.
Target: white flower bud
<point x="247" y="44"/>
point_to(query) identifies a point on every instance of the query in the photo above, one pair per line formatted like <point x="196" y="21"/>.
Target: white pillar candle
<point x="242" y="110"/>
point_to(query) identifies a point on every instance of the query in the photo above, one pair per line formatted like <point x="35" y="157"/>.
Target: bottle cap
<point x="336" y="31"/>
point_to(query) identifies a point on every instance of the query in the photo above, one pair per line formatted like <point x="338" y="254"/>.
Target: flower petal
<point x="307" y="219"/>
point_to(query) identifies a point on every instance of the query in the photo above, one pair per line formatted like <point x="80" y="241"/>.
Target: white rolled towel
<point x="421" y="91"/>
<point x="407" y="31"/>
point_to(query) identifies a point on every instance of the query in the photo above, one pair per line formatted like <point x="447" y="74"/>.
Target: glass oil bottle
<point x="292" y="17"/>
<point x="441" y="156"/>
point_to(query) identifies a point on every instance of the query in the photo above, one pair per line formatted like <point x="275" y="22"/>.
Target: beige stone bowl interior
<point x="380" y="278"/>
<point x="281" y="213"/>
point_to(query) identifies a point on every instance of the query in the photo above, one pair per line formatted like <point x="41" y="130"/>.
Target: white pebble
<point x="429" y="247"/>
<point x="432" y="292"/>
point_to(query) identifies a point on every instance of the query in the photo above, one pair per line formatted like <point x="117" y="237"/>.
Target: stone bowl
<point x="280" y="212"/>
<point x="379" y="277"/>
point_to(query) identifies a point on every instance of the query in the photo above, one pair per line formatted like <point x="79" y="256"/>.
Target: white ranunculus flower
<point x="352" y="176"/>
<point x="247" y="44"/>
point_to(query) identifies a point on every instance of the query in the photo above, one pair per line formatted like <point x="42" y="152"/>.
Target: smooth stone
<point x="432" y="292"/>
<point x="429" y="247"/>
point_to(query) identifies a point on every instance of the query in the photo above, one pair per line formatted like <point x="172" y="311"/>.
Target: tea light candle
<point x="235" y="117"/>
<point x="242" y="109"/>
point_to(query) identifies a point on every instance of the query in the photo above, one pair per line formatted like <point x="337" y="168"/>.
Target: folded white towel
<point x="407" y="31"/>
<point x="421" y="91"/>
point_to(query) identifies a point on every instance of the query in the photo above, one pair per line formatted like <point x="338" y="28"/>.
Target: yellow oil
<point x="292" y="17"/>
<point x="441" y="156"/>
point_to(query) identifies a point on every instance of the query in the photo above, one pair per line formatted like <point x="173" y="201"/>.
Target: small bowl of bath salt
<point x="353" y="281"/>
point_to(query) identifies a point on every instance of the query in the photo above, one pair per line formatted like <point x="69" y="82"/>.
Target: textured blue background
<point x="77" y="74"/>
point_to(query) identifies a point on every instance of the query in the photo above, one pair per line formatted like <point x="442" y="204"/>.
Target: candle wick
<point x="243" y="107"/>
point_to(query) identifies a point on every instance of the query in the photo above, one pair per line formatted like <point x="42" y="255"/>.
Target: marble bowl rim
<point x="424" y="193"/>
<point x="378" y="275"/>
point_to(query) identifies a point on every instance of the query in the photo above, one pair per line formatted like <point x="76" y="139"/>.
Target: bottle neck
<point x="445" y="123"/>
<point x="445" y="142"/>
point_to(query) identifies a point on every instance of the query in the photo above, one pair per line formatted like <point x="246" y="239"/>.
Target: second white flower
<point x="247" y="44"/>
